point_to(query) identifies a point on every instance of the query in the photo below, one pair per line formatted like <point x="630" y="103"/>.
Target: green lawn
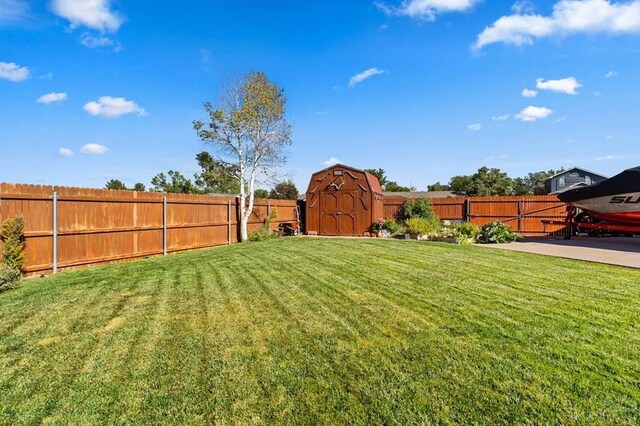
<point x="309" y="331"/>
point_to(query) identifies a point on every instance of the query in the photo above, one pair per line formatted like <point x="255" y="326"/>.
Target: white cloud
<point x="475" y="127"/>
<point x="13" y="11"/>
<point x="95" y="14"/>
<point x="523" y="6"/>
<point x="52" y="97"/>
<point x="13" y="72"/>
<point x="610" y="74"/>
<point x="331" y="162"/>
<point x="65" y="152"/>
<point x="532" y="113"/>
<point x="568" y="17"/>
<point x="426" y="9"/>
<point x="108" y="106"/>
<point x="528" y="93"/>
<point x="609" y="158"/>
<point x="93" y="42"/>
<point x="360" y="77"/>
<point x="504" y="117"/>
<point x="566" y="85"/>
<point x="94" y="148"/>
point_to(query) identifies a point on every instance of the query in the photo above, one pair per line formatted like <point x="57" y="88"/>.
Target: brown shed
<point x="342" y="200"/>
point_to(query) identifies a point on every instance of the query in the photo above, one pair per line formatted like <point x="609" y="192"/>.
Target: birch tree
<point x="249" y="130"/>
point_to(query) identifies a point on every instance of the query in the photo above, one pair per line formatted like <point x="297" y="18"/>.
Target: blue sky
<point x="425" y="89"/>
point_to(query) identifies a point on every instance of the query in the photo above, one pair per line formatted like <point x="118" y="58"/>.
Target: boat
<point x="615" y="201"/>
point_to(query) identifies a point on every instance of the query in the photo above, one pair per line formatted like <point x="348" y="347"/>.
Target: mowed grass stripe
<point x="313" y="331"/>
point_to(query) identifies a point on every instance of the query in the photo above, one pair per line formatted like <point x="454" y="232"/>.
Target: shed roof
<point x="373" y="181"/>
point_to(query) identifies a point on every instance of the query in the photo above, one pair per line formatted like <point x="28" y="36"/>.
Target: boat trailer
<point x="578" y="221"/>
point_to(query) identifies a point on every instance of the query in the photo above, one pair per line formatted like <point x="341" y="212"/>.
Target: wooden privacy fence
<point x="524" y="214"/>
<point x="72" y="227"/>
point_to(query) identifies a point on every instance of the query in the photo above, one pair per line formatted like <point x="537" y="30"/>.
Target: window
<point x="561" y="182"/>
<point x="587" y="180"/>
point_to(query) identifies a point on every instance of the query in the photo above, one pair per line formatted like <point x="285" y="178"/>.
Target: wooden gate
<point x="525" y="215"/>
<point x="338" y="213"/>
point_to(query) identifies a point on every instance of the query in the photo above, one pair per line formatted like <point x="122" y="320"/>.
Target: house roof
<point x="422" y="194"/>
<point x="575" y="168"/>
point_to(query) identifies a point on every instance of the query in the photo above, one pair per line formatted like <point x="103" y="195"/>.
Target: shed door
<point x="338" y="213"/>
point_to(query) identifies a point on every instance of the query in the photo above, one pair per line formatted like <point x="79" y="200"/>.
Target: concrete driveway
<point x="611" y="250"/>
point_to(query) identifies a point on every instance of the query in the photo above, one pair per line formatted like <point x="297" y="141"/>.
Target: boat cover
<point x="624" y="183"/>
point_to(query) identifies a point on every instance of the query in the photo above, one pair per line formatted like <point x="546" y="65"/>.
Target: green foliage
<point x="386" y="184"/>
<point x="467" y="230"/>
<point x="489" y="182"/>
<point x="418" y="333"/>
<point x="139" y="187"/>
<point x="265" y="233"/>
<point x="422" y="226"/>
<point x="9" y="277"/>
<point x="462" y="184"/>
<point x="12" y="234"/>
<point x="395" y="187"/>
<point x="285" y="190"/>
<point x="438" y="187"/>
<point x="175" y="183"/>
<point x="392" y="226"/>
<point x="496" y="233"/>
<point x="261" y="193"/>
<point x="116" y="185"/>
<point x="216" y="177"/>
<point x="419" y="207"/>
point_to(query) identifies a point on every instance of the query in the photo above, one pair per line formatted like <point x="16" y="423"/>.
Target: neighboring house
<point x="571" y="178"/>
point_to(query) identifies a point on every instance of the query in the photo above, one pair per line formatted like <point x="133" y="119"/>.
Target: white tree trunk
<point x="246" y="210"/>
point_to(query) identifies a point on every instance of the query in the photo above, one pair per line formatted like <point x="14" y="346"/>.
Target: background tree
<point x="139" y="187"/>
<point x="175" y="183"/>
<point x="249" y="130"/>
<point x="438" y="187"/>
<point x="386" y="184"/>
<point x="216" y="177"/>
<point x="392" y="186"/>
<point x="284" y="191"/>
<point x="488" y="182"/>
<point x="116" y="184"/>
<point x="261" y="193"/>
<point x="535" y="181"/>
<point x="462" y="183"/>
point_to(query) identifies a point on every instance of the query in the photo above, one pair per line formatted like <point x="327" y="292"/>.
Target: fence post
<point x="467" y="210"/>
<point x="519" y="216"/>
<point x="55" y="232"/>
<point x="229" y="222"/>
<point x="164" y="226"/>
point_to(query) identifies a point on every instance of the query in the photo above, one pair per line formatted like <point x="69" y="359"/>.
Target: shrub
<point x="496" y="233"/>
<point x="422" y="226"/>
<point x="12" y="234"/>
<point x="392" y="226"/>
<point x="420" y="207"/>
<point x="468" y="230"/>
<point x="264" y="233"/>
<point x="9" y="277"/>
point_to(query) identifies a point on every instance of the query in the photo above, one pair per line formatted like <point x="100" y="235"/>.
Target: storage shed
<point x="342" y="200"/>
